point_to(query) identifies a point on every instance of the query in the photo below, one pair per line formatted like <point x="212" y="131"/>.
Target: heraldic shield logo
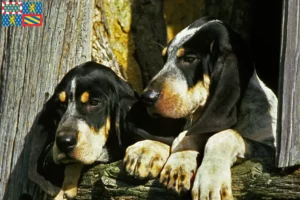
<point x="22" y="13"/>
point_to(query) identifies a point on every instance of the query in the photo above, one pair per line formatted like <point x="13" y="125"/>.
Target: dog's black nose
<point x="149" y="97"/>
<point x="66" y="141"/>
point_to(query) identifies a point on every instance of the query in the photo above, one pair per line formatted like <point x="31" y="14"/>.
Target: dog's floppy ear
<point x="230" y="69"/>
<point x="220" y="111"/>
<point x="124" y="97"/>
<point x="42" y="169"/>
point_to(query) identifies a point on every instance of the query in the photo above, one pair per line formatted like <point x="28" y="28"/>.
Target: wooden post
<point x="252" y="180"/>
<point x="32" y="61"/>
<point x="288" y="141"/>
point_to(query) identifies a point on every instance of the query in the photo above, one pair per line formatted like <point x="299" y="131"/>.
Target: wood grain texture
<point x="289" y="120"/>
<point x="254" y="179"/>
<point x="32" y="61"/>
<point x="149" y="35"/>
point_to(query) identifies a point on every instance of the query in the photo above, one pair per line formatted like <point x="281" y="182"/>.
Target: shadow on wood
<point x="14" y="187"/>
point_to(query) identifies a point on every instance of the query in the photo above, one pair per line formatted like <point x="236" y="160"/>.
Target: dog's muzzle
<point x="149" y="97"/>
<point x="66" y="140"/>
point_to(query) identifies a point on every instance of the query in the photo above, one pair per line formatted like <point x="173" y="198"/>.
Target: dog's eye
<point x="94" y="102"/>
<point x="189" y="58"/>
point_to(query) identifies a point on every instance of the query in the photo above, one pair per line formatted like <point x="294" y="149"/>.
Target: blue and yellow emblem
<point x="22" y="13"/>
<point x="32" y="20"/>
<point x="11" y="20"/>
<point x="12" y="8"/>
<point x="32" y="7"/>
<point x="32" y="14"/>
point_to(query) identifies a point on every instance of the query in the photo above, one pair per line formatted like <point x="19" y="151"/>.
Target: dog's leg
<point x="179" y="171"/>
<point x="181" y="166"/>
<point x="71" y="178"/>
<point x="146" y="158"/>
<point x="213" y="178"/>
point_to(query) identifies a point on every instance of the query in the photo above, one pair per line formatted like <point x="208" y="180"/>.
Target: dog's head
<point x="86" y="107"/>
<point x="93" y="115"/>
<point x="207" y="67"/>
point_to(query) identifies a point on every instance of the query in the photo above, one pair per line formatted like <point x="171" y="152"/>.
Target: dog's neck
<point x="193" y="118"/>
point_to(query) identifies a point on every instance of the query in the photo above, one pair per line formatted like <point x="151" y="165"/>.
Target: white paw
<point x="70" y="193"/>
<point x="145" y="159"/>
<point x="212" y="182"/>
<point x="67" y="194"/>
<point x="179" y="171"/>
<point x="60" y="195"/>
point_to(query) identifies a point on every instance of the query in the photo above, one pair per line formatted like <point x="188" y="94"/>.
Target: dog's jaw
<point x="90" y="146"/>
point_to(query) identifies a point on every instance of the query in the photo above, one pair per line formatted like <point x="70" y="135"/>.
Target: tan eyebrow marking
<point x="84" y="97"/>
<point x="164" y="51"/>
<point x="180" y="52"/>
<point x="62" y="96"/>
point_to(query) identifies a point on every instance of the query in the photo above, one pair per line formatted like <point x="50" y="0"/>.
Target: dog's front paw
<point x="70" y="193"/>
<point x="145" y="159"/>
<point x="179" y="171"/>
<point x="60" y="195"/>
<point x="66" y="195"/>
<point x="212" y="182"/>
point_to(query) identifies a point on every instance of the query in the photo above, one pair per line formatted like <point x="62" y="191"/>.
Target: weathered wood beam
<point x="288" y="142"/>
<point x="32" y="61"/>
<point x="253" y="179"/>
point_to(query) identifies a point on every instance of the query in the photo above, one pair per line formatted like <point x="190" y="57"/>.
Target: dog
<point x="209" y="79"/>
<point x="92" y="117"/>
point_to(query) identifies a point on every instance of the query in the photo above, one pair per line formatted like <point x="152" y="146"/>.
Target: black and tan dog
<point x="209" y="79"/>
<point x="92" y="116"/>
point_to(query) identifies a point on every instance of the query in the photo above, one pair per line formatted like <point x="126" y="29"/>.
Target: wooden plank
<point x="288" y="140"/>
<point x="253" y="179"/>
<point x="32" y="61"/>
